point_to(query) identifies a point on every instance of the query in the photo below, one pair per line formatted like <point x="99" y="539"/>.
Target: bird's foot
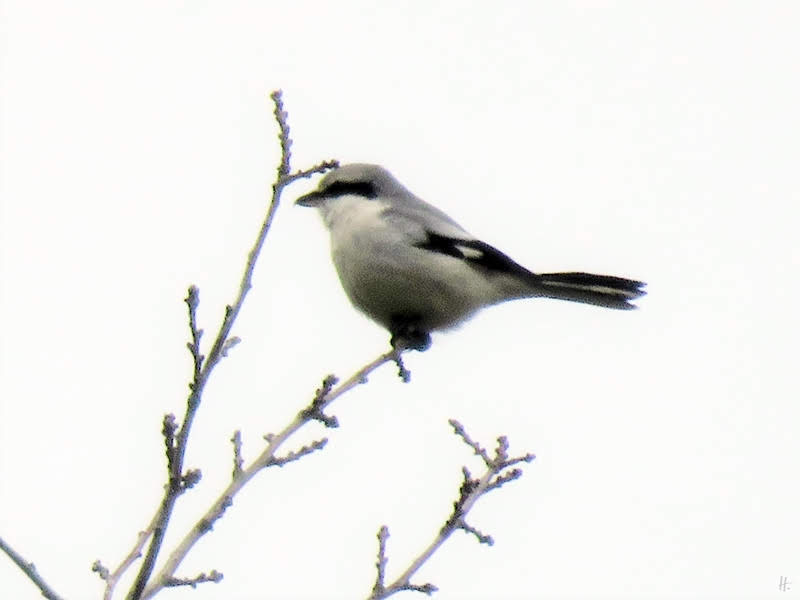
<point x="408" y="336"/>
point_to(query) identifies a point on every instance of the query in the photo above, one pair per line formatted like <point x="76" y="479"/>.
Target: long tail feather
<point x="600" y="290"/>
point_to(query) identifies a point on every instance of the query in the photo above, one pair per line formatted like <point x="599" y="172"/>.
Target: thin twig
<point x="380" y="577"/>
<point x="481" y="537"/>
<point x="113" y="577"/>
<point x="314" y="410"/>
<point x="214" y="576"/>
<point x="203" y="366"/>
<point x="294" y="455"/>
<point x="30" y="570"/>
<point x="238" y="461"/>
<point x="469" y="493"/>
<point x="476" y="447"/>
<point x="321" y="400"/>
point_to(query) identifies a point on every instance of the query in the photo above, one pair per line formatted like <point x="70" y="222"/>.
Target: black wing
<point x="474" y="252"/>
<point x="601" y="290"/>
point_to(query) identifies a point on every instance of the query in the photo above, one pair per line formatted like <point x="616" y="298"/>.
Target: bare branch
<point x="190" y="479"/>
<point x="378" y="588"/>
<point x="323" y="397"/>
<point x="206" y="524"/>
<point x="505" y="478"/>
<point x="238" y="461"/>
<point x="324" y="389"/>
<point x="285" y="177"/>
<point x="281" y="116"/>
<point x="192" y="301"/>
<point x="482" y="538"/>
<point x="524" y="458"/>
<point x="214" y="576"/>
<point x="292" y="456"/>
<point x="112" y="578"/>
<point x="501" y="452"/>
<point x="314" y="410"/>
<point x="425" y="588"/>
<point x="168" y="429"/>
<point x="30" y="570"/>
<point x="402" y="372"/>
<point x="229" y="344"/>
<point x="101" y="570"/>
<point x="460" y="432"/>
<point x="203" y="367"/>
<point x="470" y="491"/>
<point x="325" y="165"/>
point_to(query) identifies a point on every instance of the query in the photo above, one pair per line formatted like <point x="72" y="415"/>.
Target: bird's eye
<point x="355" y="188"/>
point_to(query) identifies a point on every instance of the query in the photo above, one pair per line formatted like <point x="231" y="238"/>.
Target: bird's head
<point x="358" y="179"/>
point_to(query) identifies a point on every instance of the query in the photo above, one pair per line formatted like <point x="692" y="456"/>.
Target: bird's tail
<point x="600" y="290"/>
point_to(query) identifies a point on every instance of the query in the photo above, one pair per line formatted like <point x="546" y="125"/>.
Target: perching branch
<point x="30" y="570"/>
<point x="471" y="490"/>
<point x="323" y="397"/>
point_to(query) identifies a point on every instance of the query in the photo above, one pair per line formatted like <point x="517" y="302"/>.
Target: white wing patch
<point x="468" y="252"/>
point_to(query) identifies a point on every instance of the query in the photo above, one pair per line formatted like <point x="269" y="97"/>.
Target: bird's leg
<point x="406" y="333"/>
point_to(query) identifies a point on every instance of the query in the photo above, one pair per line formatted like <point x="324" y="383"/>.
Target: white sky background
<point x="651" y="140"/>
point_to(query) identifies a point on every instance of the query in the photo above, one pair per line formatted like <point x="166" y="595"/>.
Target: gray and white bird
<point x="414" y="270"/>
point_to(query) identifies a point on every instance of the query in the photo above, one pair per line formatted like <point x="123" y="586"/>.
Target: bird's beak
<point x="311" y="199"/>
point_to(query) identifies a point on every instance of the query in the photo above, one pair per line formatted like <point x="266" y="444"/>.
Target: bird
<point x="413" y="270"/>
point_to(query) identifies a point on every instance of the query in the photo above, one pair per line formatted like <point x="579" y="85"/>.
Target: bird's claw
<point x="407" y="336"/>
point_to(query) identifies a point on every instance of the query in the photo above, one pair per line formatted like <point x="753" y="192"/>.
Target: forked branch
<point x="177" y="439"/>
<point x="471" y="491"/>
